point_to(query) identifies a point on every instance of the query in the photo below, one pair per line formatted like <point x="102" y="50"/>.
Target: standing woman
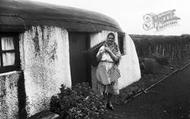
<point x="107" y="71"/>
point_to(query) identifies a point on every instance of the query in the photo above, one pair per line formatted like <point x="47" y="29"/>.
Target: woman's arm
<point x="113" y="56"/>
<point x="100" y="52"/>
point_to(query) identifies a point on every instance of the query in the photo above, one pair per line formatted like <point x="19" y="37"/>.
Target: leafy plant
<point x="80" y="102"/>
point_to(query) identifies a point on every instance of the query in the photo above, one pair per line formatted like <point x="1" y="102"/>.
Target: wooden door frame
<point x="87" y="40"/>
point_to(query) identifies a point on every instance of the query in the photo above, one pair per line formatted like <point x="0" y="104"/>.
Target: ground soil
<point x="170" y="99"/>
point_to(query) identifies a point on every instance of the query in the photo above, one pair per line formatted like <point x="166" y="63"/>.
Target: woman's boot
<point x="109" y="104"/>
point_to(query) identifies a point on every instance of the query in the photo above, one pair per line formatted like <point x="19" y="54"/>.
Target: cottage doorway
<point x="79" y="43"/>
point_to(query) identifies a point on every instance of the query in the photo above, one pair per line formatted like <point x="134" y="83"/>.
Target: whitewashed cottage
<point x="43" y="46"/>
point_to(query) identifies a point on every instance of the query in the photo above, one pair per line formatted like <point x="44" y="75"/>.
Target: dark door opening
<point x="79" y="43"/>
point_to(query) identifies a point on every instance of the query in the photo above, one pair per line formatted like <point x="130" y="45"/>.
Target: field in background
<point x="158" y="57"/>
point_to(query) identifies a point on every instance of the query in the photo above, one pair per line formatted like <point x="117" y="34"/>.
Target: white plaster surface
<point x="129" y="64"/>
<point x="12" y="95"/>
<point x="45" y="63"/>
<point x="9" y="95"/>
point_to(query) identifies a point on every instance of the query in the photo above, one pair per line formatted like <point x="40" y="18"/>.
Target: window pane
<point x="8" y="59"/>
<point x="7" y="43"/>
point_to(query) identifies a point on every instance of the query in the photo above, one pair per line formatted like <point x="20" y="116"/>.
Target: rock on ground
<point x="45" y="115"/>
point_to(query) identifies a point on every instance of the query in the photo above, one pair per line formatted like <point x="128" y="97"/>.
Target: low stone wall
<point x="9" y="95"/>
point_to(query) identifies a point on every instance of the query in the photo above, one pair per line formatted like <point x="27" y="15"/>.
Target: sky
<point x="129" y="13"/>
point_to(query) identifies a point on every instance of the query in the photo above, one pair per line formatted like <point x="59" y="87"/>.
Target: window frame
<point x="16" y="66"/>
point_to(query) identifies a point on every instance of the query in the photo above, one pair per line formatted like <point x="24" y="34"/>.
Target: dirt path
<point x="170" y="99"/>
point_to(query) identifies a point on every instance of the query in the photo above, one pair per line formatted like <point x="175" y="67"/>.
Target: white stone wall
<point x="129" y="64"/>
<point x="44" y="54"/>
<point x="45" y="62"/>
<point x="9" y="95"/>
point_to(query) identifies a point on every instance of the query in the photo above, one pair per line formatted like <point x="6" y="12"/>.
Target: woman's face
<point x="111" y="38"/>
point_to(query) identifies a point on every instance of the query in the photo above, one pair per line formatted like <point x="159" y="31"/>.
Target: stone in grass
<point x="150" y="66"/>
<point x="162" y="60"/>
<point x="45" y="115"/>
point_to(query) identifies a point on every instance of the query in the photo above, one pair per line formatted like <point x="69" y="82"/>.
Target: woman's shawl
<point x="114" y="48"/>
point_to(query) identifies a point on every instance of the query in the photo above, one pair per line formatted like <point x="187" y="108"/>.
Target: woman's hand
<point x="113" y="56"/>
<point x="107" y="49"/>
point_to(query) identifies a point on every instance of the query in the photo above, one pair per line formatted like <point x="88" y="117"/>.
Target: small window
<point x="9" y="52"/>
<point x="121" y="43"/>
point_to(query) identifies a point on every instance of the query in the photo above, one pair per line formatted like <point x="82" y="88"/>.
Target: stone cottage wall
<point x="9" y="95"/>
<point x="45" y="63"/>
<point x="129" y="64"/>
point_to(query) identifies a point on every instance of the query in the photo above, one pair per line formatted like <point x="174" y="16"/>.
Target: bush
<point x="80" y="102"/>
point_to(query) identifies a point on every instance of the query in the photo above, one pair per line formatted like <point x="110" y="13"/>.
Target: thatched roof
<point x="18" y="15"/>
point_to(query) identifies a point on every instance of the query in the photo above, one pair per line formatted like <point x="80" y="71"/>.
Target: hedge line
<point x="173" y="47"/>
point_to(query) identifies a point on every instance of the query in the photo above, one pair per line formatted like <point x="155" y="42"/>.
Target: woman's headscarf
<point x="112" y="45"/>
